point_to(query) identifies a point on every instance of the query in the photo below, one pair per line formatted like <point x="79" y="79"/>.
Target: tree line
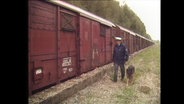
<point x="110" y="10"/>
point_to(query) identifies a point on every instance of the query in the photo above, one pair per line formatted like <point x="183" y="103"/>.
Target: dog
<point x="130" y="74"/>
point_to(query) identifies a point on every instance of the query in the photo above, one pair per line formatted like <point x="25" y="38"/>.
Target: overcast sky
<point x="149" y="13"/>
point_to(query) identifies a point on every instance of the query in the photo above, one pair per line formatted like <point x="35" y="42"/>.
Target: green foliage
<point x="110" y="10"/>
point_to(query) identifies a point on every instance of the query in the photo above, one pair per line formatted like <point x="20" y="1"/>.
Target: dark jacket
<point x="120" y="54"/>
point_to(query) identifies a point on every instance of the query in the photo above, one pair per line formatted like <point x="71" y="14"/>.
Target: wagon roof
<point x="122" y="28"/>
<point x="133" y="33"/>
<point x="82" y="12"/>
<point x="143" y="37"/>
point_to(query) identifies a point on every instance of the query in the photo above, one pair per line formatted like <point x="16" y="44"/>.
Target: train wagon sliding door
<point x="95" y="44"/>
<point x="134" y="43"/>
<point x="108" y="45"/>
<point x="67" y="45"/>
<point x="42" y="45"/>
<point x="126" y="40"/>
<point x="102" y="48"/>
<point x="85" y="45"/>
<point x="130" y="41"/>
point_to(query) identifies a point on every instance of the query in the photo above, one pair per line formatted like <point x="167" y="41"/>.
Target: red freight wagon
<point x="52" y="44"/>
<point x="64" y="41"/>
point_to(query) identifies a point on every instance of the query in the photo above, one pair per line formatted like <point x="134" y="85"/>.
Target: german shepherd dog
<point x="130" y="74"/>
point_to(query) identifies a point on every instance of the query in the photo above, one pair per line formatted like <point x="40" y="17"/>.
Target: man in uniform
<point x="120" y="56"/>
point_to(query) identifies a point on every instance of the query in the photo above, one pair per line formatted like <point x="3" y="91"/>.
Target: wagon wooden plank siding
<point x="66" y="41"/>
<point x="42" y="45"/>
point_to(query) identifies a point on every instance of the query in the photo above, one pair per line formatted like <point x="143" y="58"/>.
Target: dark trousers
<point x="122" y="67"/>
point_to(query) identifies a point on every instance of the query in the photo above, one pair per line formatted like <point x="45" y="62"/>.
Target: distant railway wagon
<point x="66" y="41"/>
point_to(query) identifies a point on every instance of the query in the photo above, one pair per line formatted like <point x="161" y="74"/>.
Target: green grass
<point x="147" y="64"/>
<point x="126" y="96"/>
<point x="147" y="61"/>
